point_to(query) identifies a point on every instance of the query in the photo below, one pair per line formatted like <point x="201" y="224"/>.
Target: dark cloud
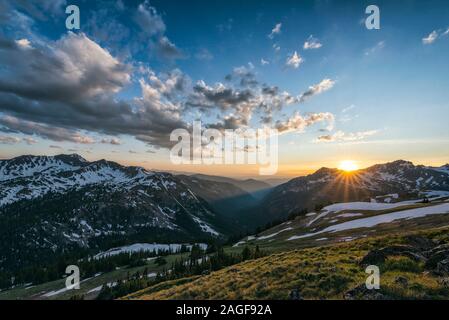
<point x="149" y="20"/>
<point x="54" y="94"/>
<point x="167" y="50"/>
<point x="244" y="76"/>
<point x="144" y="35"/>
<point x="62" y="71"/>
<point x="9" y="140"/>
<point x="270" y="90"/>
<point x="229" y="122"/>
<point x="98" y="26"/>
<point x="12" y="124"/>
<point x="54" y="90"/>
<point x="218" y="96"/>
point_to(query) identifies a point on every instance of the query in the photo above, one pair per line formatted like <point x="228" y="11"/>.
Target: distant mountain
<point x="229" y="201"/>
<point x="54" y="205"/>
<point x="51" y="206"/>
<point x="248" y="185"/>
<point x="332" y="185"/>
<point x="276" y="181"/>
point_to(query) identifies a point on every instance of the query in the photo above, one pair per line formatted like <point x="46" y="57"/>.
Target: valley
<point x="132" y="230"/>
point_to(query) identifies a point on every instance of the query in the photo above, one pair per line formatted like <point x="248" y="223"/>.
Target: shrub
<point x="402" y="264"/>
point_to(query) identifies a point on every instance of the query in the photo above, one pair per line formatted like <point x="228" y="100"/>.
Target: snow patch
<point x="151" y="247"/>
<point x="383" y="218"/>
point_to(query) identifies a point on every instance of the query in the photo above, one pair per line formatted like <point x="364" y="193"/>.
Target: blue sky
<point x="385" y="91"/>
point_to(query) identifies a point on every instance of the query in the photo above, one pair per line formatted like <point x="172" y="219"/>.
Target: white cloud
<point x="297" y="123"/>
<point x="430" y="38"/>
<point x="24" y="44"/>
<point x="312" y="43"/>
<point x="379" y="46"/>
<point x="318" y="88"/>
<point x="345" y="137"/>
<point x="348" y="108"/>
<point x="434" y="35"/>
<point x="264" y="62"/>
<point x="276" y="30"/>
<point x="294" y="60"/>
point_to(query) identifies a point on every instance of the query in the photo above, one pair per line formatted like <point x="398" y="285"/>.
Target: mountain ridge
<point x="60" y="204"/>
<point x="329" y="185"/>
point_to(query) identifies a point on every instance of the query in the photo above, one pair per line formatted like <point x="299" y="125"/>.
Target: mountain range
<point x="400" y="178"/>
<point x="56" y="205"/>
<point x="53" y="205"/>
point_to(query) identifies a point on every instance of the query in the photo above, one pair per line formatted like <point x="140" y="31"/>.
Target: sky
<point x="137" y="70"/>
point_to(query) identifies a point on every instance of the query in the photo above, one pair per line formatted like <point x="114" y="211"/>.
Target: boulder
<point x="402" y="281"/>
<point x="295" y="294"/>
<point x="378" y="256"/>
<point x="443" y="267"/>
<point x="420" y="242"/>
<point x="435" y="256"/>
<point x="361" y="292"/>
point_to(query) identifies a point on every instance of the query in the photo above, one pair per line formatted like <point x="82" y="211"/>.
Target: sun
<point x="348" y="165"/>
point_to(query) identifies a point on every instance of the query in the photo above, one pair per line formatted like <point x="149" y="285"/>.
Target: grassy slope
<point x="298" y="262"/>
<point x="300" y="225"/>
<point x="36" y="292"/>
<point x="320" y="272"/>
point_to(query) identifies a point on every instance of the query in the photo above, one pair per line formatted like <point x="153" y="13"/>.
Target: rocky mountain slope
<point x="413" y="265"/>
<point x="248" y="185"/>
<point x="52" y="205"/>
<point x="325" y="186"/>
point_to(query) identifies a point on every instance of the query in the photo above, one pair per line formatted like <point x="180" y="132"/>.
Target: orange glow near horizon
<point x="289" y="169"/>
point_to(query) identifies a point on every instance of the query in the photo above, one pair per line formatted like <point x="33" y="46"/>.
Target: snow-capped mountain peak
<point x="64" y="201"/>
<point x="29" y="165"/>
<point x="332" y="185"/>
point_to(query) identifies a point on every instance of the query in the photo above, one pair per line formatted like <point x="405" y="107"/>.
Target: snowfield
<point x="274" y="234"/>
<point x="137" y="247"/>
<point x="367" y="205"/>
<point x="204" y="226"/>
<point x="349" y="215"/>
<point x="250" y="238"/>
<point x="383" y="218"/>
<point x="355" y="206"/>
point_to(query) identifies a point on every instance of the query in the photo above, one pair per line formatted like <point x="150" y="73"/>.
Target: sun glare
<point x="348" y="165"/>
